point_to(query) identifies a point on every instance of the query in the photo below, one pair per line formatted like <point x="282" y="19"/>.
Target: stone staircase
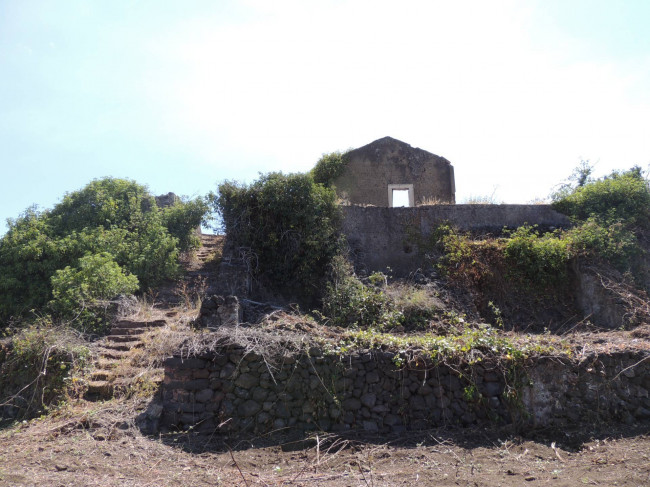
<point x="210" y="245"/>
<point x="108" y="378"/>
<point x="201" y="272"/>
<point x="125" y="335"/>
<point x="199" y="276"/>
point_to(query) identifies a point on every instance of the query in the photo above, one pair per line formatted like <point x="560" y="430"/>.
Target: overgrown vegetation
<point x="610" y="216"/>
<point x="328" y="168"/>
<point x="620" y="197"/>
<point x="40" y="367"/>
<point x="182" y="220"/>
<point x="348" y="302"/>
<point x="289" y="227"/>
<point x="468" y="344"/>
<point x="540" y="259"/>
<point x="50" y="260"/>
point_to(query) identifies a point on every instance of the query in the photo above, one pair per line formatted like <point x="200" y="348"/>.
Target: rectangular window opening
<point x="401" y="198"/>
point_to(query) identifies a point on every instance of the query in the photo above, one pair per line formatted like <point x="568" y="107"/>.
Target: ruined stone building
<point x="389" y="172"/>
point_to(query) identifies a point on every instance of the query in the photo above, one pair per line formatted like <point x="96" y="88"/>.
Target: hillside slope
<point x="97" y="440"/>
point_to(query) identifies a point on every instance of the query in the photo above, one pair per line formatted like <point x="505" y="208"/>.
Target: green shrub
<point x="328" y="168"/>
<point x="620" y="197"/>
<point x="183" y="218"/>
<point x="114" y="216"/>
<point x="350" y="303"/>
<point x="610" y="214"/>
<point x="454" y="246"/>
<point x="81" y="294"/>
<point x="289" y="224"/>
<point x="541" y="260"/>
<point x="613" y="243"/>
<point x="463" y="261"/>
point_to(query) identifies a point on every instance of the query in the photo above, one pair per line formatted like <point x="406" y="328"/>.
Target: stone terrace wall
<point x="384" y="237"/>
<point x="369" y="391"/>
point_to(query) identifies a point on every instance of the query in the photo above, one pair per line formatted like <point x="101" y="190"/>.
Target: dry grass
<point x="268" y="343"/>
<point x="159" y="344"/>
<point x="431" y="201"/>
<point x="539" y="201"/>
<point x="141" y="309"/>
<point x="490" y="199"/>
<point x="481" y="200"/>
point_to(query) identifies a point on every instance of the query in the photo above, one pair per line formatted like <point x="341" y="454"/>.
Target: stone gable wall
<point x="370" y="169"/>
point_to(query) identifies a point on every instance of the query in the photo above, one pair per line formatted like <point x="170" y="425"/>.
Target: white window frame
<point x="401" y="187"/>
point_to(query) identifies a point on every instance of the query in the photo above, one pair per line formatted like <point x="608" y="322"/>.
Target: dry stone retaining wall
<point x="231" y="391"/>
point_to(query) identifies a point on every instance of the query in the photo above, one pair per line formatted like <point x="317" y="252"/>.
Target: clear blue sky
<point x="181" y="95"/>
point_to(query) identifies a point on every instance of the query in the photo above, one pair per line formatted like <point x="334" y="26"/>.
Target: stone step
<point x="122" y="347"/>
<point x="100" y="375"/>
<point x="123" y="338"/>
<point x="128" y="331"/>
<point x="111" y="353"/>
<point x="99" y="389"/>
<point x="106" y="364"/>
<point x="128" y="324"/>
<point x="199" y="273"/>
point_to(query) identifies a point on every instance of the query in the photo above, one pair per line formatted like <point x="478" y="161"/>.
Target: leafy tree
<point x="114" y="218"/>
<point x="29" y="256"/>
<point x="329" y="167"/>
<point x="108" y="203"/>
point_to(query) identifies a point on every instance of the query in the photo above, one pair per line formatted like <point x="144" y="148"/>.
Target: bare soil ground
<point x="96" y="444"/>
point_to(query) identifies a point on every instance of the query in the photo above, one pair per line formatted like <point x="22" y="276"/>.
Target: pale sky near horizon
<point x="181" y="95"/>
